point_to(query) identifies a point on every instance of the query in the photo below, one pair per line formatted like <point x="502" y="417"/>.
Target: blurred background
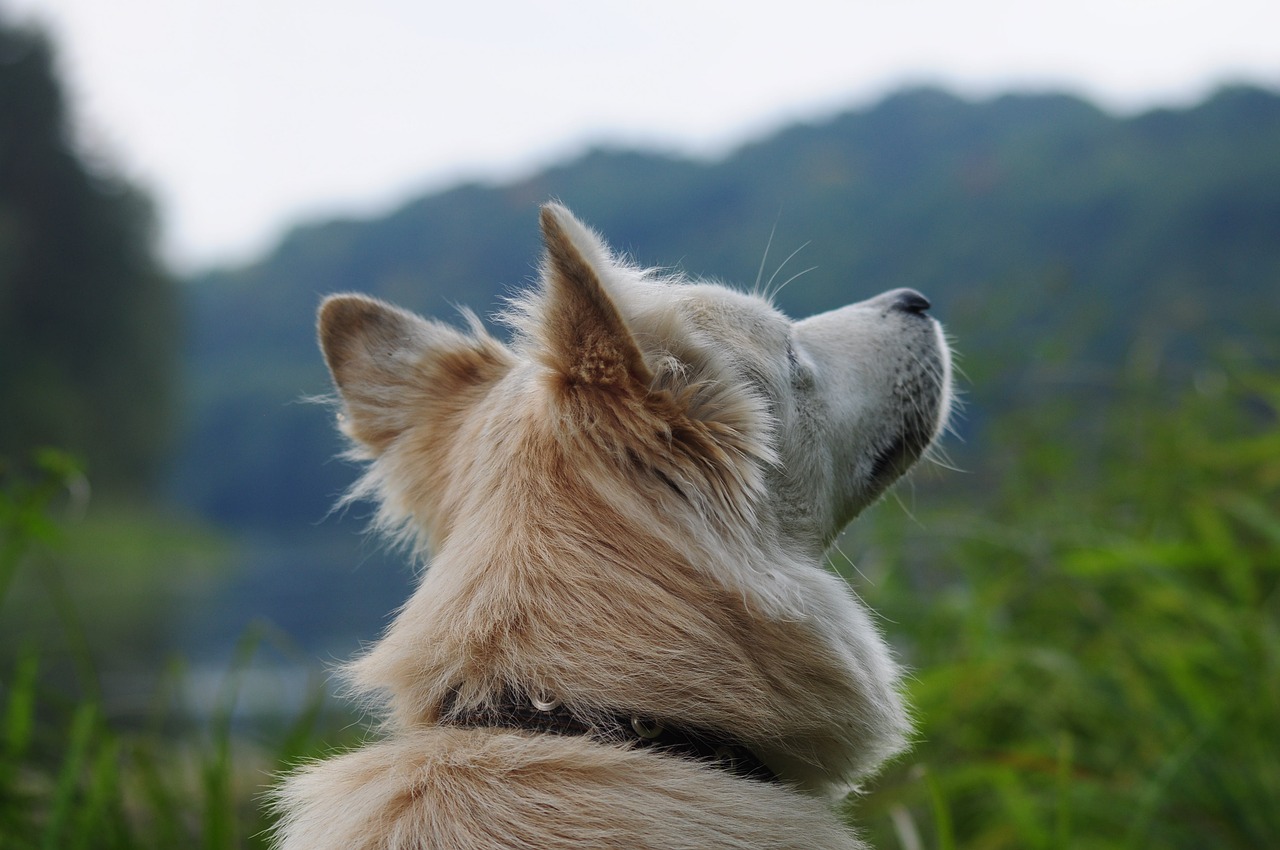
<point x="1089" y="193"/>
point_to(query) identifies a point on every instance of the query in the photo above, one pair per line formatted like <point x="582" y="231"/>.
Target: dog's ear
<point x="392" y="367"/>
<point x="585" y="339"/>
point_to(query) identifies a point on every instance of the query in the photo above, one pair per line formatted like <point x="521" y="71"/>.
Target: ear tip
<point x="553" y="216"/>
<point x="343" y="305"/>
<point x="343" y="317"/>
<point x="339" y="314"/>
<point x="562" y="231"/>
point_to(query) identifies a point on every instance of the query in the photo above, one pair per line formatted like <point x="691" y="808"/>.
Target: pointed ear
<point x="391" y="367"/>
<point x="585" y="338"/>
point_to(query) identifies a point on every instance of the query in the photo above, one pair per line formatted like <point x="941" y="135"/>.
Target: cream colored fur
<point x="628" y="508"/>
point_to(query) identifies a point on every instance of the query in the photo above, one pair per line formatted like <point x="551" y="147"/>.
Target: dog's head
<point x="677" y="448"/>
<point x="797" y="425"/>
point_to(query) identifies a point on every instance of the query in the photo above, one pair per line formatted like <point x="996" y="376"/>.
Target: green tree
<point x="88" y="317"/>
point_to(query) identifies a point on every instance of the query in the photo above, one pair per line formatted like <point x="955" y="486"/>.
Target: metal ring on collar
<point x="544" y="700"/>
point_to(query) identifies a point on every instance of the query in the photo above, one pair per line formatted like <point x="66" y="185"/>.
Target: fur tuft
<point x="471" y="790"/>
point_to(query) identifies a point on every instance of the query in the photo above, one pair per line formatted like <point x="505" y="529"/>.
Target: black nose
<point x="909" y="301"/>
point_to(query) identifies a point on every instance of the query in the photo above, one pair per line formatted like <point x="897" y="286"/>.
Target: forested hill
<point x="1054" y="239"/>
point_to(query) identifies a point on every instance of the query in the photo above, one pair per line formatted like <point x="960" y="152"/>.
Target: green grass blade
<point x="61" y="812"/>
<point x="941" y="813"/>
<point x="20" y="711"/>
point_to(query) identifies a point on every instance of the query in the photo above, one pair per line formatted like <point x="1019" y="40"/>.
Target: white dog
<point x="627" y="637"/>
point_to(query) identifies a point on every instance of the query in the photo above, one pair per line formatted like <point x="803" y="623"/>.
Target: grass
<point x="1093" y="627"/>
<point x="70" y="778"/>
<point x="1097" y="663"/>
<point x="71" y="775"/>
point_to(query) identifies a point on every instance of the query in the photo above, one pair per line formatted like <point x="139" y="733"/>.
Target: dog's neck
<point x="545" y="714"/>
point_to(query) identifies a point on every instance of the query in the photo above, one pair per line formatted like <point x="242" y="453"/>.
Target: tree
<point x="88" y="317"/>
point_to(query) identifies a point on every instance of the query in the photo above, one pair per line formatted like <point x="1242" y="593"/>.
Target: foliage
<point x="24" y="506"/>
<point x="1096" y="650"/>
<point x="74" y="776"/>
<point x="88" y="320"/>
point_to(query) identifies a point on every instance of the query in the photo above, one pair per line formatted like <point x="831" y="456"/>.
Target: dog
<point x="626" y="637"/>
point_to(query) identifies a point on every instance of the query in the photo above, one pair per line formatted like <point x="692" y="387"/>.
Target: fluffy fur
<point x="628" y="508"/>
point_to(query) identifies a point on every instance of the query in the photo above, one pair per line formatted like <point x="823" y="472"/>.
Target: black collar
<point x="523" y="712"/>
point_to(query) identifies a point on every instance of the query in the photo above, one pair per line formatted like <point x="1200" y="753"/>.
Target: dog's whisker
<point x="755" y="287"/>
<point x="771" y="295"/>
<point x="783" y="285"/>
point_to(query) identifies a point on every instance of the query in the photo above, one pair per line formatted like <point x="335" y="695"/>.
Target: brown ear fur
<point x="585" y="339"/>
<point x="391" y="366"/>
<point x="602" y="383"/>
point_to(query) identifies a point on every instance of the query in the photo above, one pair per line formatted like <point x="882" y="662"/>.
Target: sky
<point x="243" y="118"/>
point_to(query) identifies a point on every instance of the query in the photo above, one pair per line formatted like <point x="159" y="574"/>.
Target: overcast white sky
<point x="243" y="117"/>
